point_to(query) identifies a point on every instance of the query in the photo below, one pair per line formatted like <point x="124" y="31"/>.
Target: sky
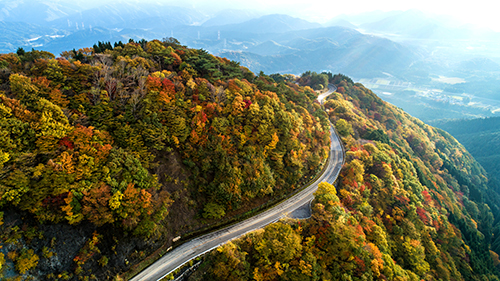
<point x="479" y="12"/>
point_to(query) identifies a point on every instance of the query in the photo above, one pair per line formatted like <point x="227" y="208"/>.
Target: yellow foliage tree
<point x="26" y="261"/>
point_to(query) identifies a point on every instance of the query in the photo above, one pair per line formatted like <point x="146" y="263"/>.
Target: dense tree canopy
<point x="411" y="204"/>
<point x="84" y="137"/>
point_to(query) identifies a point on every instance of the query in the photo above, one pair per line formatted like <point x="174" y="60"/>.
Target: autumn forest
<point x="115" y="139"/>
<point x="411" y="204"/>
<point x="108" y="153"/>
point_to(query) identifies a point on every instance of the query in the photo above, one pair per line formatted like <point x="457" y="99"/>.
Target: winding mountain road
<point x="198" y="246"/>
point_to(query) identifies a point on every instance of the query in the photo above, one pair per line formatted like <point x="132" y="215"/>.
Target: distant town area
<point x="401" y="93"/>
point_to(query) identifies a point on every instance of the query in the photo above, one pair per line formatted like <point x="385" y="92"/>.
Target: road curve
<point x="198" y="246"/>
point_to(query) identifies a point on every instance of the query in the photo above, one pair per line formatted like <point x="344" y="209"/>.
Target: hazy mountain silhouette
<point x="231" y="16"/>
<point x="276" y="23"/>
<point x="417" y="24"/>
<point x="34" y="11"/>
<point x="335" y="49"/>
<point x="273" y="43"/>
<point x="480" y="64"/>
<point x="271" y="48"/>
<point x="365" y="17"/>
<point x="340" y="22"/>
<point x="21" y="34"/>
<point x="129" y="15"/>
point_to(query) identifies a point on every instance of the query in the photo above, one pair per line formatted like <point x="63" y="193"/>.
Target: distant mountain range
<point x="334" y="49"/>
<point x="419" y="25"/>
<point x="35" y="12"/>
<point x="231" y="16"/>
<point x="364" y="45"/>
<point x="146" y="16"/>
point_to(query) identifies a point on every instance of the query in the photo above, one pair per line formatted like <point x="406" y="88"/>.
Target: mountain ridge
<point x="128" y="147"/>
<point x="386" y="218"/>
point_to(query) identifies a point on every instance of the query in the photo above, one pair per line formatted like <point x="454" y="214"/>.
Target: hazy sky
<point x="480" y="12"/>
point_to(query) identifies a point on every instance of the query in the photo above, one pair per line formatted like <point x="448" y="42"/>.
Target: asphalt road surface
<point x="198" y="246"/>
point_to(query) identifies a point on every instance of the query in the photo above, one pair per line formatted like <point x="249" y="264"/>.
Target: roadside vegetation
<point x="119" y="148"/>
<point x="411" y="204"/>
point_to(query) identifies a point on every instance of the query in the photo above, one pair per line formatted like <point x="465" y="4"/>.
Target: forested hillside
<point x="482" y="138"/>
<point x="411" y="204"/>
<point x="107" y="153"/>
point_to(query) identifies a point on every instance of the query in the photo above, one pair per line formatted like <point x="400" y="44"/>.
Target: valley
<point x="432" y="104"/>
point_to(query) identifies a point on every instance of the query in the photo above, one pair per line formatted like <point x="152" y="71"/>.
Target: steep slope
<point x="105" y="157"/>
<point x="482" y="138"/>
<point x="411" y="204"/>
